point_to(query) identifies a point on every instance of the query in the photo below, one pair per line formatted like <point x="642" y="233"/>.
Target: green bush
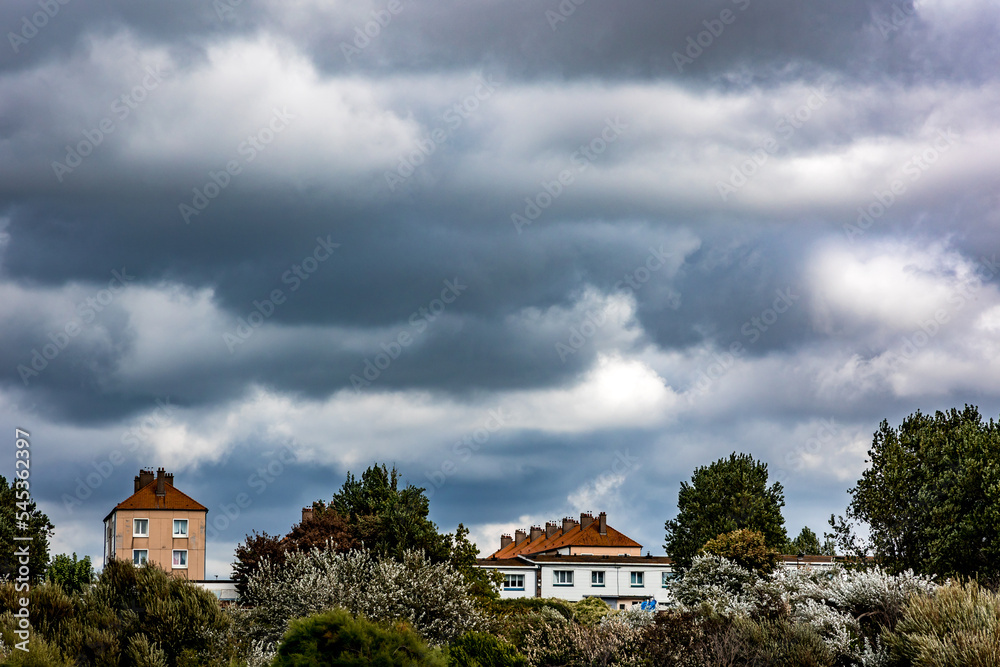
<point x="767" y="642"/>
<point x="746" y="548"/>
<point x="478" y="649"/>
<point x="590" y="611"/>
<point x="957" y="626"/>
<point x="337" y="638"/>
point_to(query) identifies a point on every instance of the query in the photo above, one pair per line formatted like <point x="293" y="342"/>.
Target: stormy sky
<point x="545" y="257"/>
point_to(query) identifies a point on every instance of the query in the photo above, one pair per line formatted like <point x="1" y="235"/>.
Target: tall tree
<point x="930" y="497"/>
<point x="72" y="574"/>
<point x="19" y="516"/>
<point x="808" y="543"/>
<point x="387" y="517"/>
<point x="725" y="496"/>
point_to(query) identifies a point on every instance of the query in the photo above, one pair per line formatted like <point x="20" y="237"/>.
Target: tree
<point x="722" y="497"/>
<point x="324" y="527"/>
<point x="388" y="519"/>
<point x="930" y="497"/>
<point x="15" y="505"/>
<point x="72" y="574"/>
<point x="483" y="582"/>
<point x="747" y="549"/>
<point x="808" y="543"/>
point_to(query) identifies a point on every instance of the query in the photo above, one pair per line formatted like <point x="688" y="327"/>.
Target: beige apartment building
<point x="160" y="524"/>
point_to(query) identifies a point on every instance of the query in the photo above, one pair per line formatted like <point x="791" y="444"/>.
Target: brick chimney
<point x="568" y="524"/>
<point x="161" y="482"/>
<point x="602" y="523"/>
<point x="169" y="477"/>
<point x="551" y="527"/>
<point x="505" y="541"/>
<point x="536" y="532"/>
<point x="586" y="518"/>
<point x="143" y="478"/>
<point x="520" y="536"/>
<point x="307" y="513"/>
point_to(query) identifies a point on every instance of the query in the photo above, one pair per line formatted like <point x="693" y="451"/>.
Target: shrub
<point x="335" y="638"/>
<point x="716" y="583"/>
<point x="590" y="611"/>
<point x="746" y="548"/>
<point x="432" y="597"/>
<point x="957" y="626"/>
<point x="478" y="649"/>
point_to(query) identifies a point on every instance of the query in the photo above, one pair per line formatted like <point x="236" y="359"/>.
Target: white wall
<point x="617" y="581"/>
<point x="529" y="583"/>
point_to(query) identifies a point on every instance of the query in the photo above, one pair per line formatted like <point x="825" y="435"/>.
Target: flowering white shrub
<point x="432" y="597"/>
<point x="716" y="582"/>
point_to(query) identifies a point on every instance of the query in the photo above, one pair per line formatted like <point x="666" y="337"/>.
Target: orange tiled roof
<point x="574" y="537"/>
<point x="146" y="499"/>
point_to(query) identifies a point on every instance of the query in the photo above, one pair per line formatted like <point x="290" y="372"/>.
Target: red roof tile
<point x="574" y="537"/>
<point x="146" y="499"/>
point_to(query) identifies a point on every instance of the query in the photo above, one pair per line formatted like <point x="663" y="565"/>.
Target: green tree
<point x="15" y="503"/>
<point x="808" y="543"/>
<point x="930" y="497"/>
<point x="335" y="638"/>
<point x="72" y="574"/>
<point x="387" y="517"/>
<point x="747" y="549"/>
<point x="722" y="497"/>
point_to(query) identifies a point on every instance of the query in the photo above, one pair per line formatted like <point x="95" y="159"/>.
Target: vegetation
<point x="725" y="496"/>
<point x="746" y="548"/>
<point x="17" y="506"/>
<point x="336" y="638"/>
<point x="71" y="574"/>
<point x="930" y="497"/>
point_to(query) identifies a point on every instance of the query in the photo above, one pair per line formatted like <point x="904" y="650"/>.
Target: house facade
<point x="579" y="559"/>
<point x="160" y="524"/>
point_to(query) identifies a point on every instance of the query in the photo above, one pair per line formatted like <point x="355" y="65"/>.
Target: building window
<point x="668" y="577"/>
<point x="637" y="579"/>
<point x="562" y="578"/>
<point x="597" y="578"/>
<point x="513" y="582"/>
<point x="140" y="527"/>
<point x="180" y="558"/>
<point x="180" y="527"/>
<point x="140" y="556"/>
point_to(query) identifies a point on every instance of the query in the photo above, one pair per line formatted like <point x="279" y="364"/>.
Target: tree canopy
<point x="14" y="504"/>
<point x="722" y="497"/>
<point x="930" y="497"/>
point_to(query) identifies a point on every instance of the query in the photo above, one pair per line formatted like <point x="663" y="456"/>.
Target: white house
<point x="577" y="560"/>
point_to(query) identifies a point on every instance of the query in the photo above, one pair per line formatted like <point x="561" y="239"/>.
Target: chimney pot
<point x="520" y="535"/>
<point x="161" y="481"/>
<point x="602" y="523"/>
<point x="568" y="524"/>
<point x="505" y="541"/>
<point x="536" y="532"/>
<point x="551" y="527"/>
<point x="143" y="478"/>
<point x="586" y="518"/>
